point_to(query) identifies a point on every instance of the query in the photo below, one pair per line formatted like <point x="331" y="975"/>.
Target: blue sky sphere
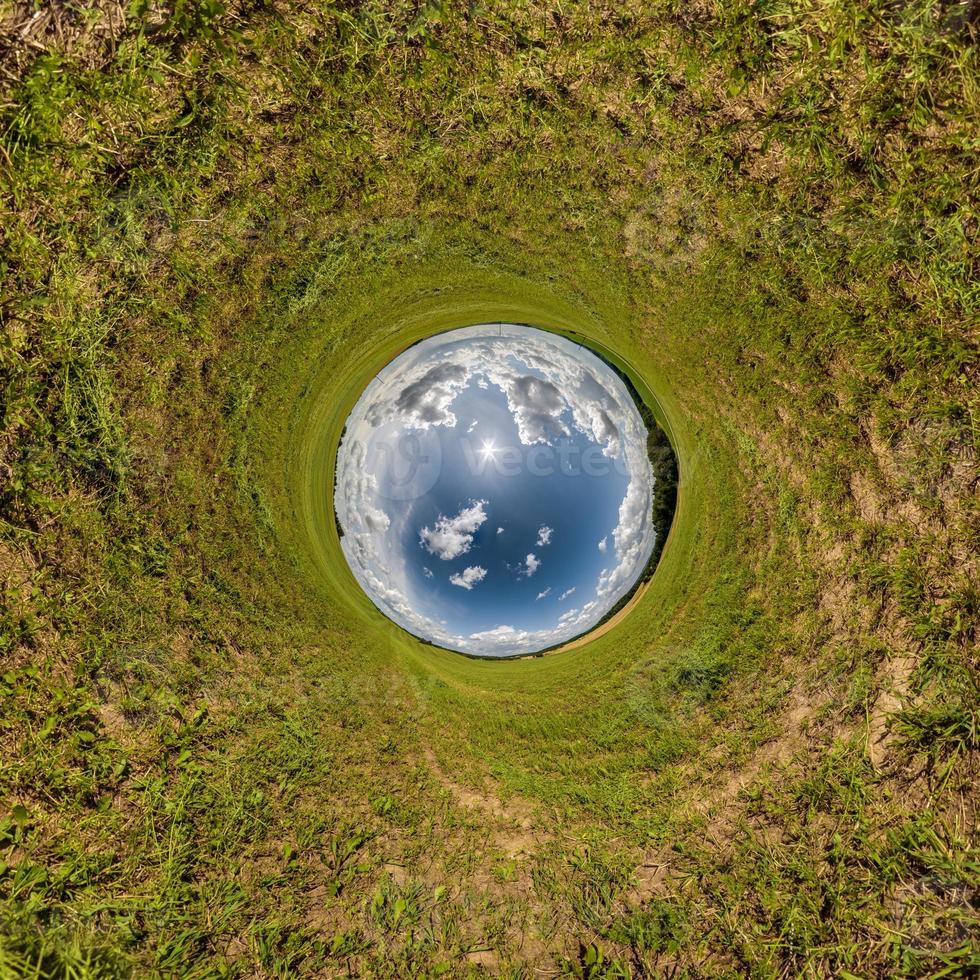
<point x="494" y="491"/>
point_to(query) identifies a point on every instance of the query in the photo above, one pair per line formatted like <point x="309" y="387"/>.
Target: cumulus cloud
<point x="506" y="639"/>
<point x="469" y="577"/>
<point x="531" y="564"/>
<point x="544" y="535"/>
<point x="603" y="544"/>
<point x="427" y="572"/>
<point x="425" y="400"/>
<point x="535" y="403"/>
<point x="362" y="520"/>
<point x="500" y="635"/>
<point x="566" y="594"/>
<point x="541" y="595"/>
<point x="361" y="492"/>
<point x="593" y="411"/>
<point x="500" y="530"/>
<point x="451" y="537"/>
<point x="631" y="536"/>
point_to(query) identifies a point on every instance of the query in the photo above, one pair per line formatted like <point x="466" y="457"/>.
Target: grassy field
<point x="219" y="219"/>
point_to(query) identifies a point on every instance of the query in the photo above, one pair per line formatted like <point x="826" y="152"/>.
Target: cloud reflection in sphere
<point x="494" y="490"/>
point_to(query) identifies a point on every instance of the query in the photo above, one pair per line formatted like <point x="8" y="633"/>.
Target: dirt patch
<point x="717" y="799"/>
<point x="791" y="738"/>
<point x="516" y="827"/>
<point x="837" y="604"/>
<point x="894" y="680"/>
<point x="487" y="958"/>
<point x="113" y="720"/>
<point x="17" y="570"/>
<point x="397" y="872"/>
<point x="867" y="498"/>
<point x="653" y="878"/>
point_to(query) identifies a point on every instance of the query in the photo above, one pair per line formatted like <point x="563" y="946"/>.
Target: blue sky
<point x="494" y="490"/>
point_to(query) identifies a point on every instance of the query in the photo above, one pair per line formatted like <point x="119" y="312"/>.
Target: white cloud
<point x="531" y="564"/>
<point x="452" y="536"/>
<point x="544" y="535"/>
<point x="473" y="425"/>
<point x="541" y="595"/>
<point x="500" y="530"/>
<point x="500" y="635"/>
<point x="363" y="521"/>
<point x="468" y="577"/>
<point x="427" y="572"/>
<point x="566" y="594"/>
<point x="425" y="400"/>
<point x="505" y="639"/>
<point x="603" y="544"/>
<point x="536" y="404"/>
<point x="631" y="537"/>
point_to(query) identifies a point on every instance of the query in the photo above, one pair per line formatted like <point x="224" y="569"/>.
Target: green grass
<point x="218" y="759"/>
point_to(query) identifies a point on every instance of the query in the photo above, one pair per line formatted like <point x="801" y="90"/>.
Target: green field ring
<point x="369" y="319"/>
